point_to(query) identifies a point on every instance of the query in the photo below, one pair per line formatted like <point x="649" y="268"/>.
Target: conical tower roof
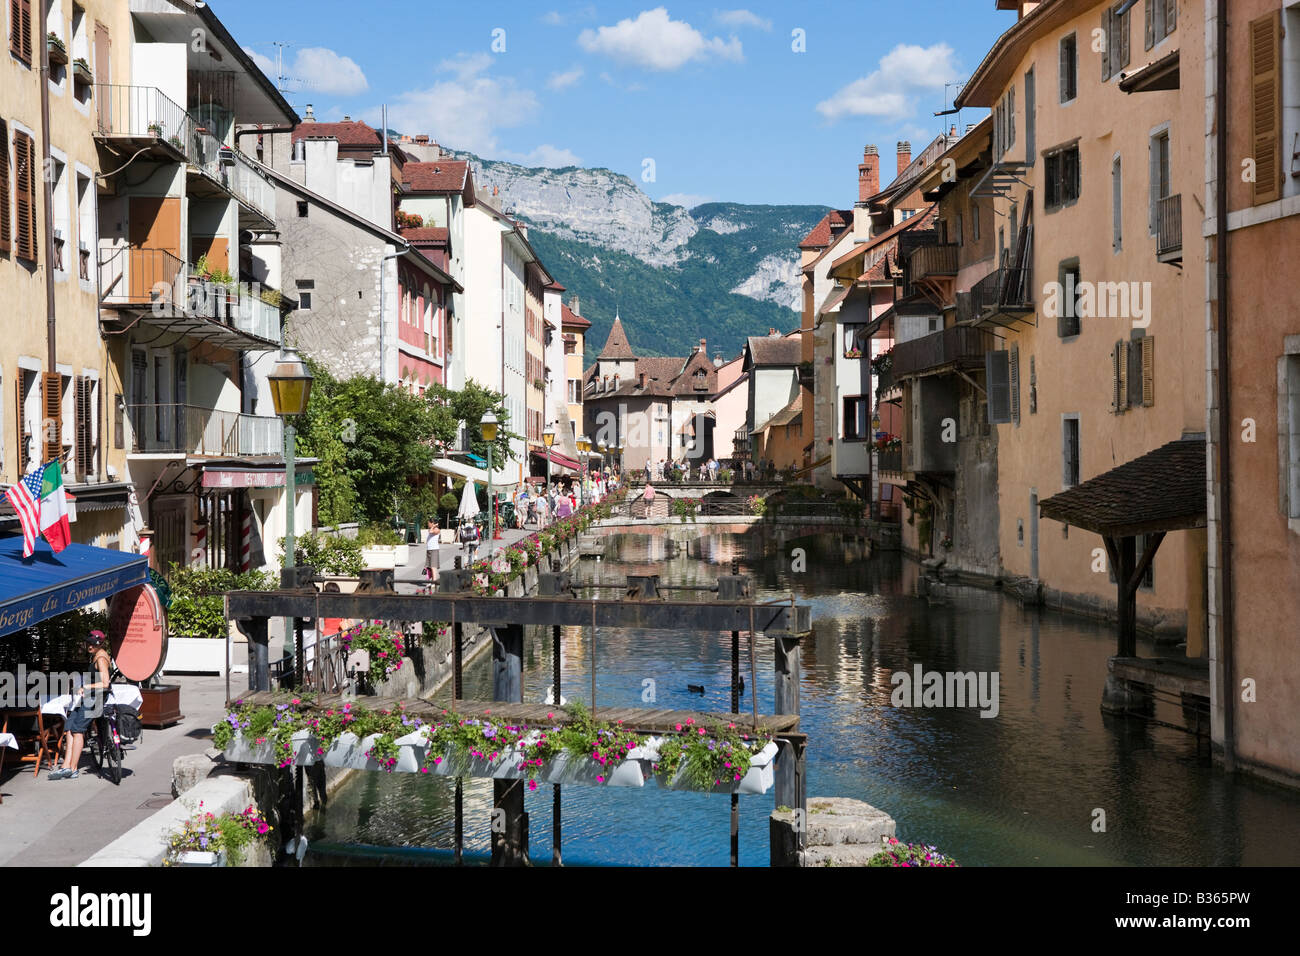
<point x="617" y="345"/>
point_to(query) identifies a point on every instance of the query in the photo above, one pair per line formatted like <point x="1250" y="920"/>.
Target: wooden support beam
<point x="1147" y="557"/>
<point x="509" y="821"/>
<point x="788" y="783"/>
<point x="1127" y="597"/>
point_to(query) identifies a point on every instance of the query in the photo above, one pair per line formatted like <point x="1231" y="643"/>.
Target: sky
<point x="766" y="103"/>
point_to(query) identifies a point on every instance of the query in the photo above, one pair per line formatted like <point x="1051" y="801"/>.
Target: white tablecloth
<point x="122" y="694"/>
<point x="8" y="740"/>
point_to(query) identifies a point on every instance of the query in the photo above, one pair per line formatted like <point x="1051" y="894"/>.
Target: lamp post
<point x="584" y="447"/>
<point x="290" y="382"/>
<point x="548" y="439"/>
<point x="604" y="465"/>
<point x="488" y="430"/>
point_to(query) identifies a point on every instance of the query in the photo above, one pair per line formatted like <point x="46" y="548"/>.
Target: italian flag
<point x="54" y="508"/>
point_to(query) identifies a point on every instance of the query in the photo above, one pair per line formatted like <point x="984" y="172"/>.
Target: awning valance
<point x="564" y="461"/>
<point x="48" y="584"/>
<point x="458" y="469"/>
<point x="1163" y="490"/>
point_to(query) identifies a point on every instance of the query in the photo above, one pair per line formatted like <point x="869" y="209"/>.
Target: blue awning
<point x="481" y="462"/>
<point x="48" y="584"/>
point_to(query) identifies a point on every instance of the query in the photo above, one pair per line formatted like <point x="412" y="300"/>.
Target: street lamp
<point x="548" y="439"/>
<point x="290" y="382"/>
<point x="487" y="427"/>
<point x="584" y="447"/>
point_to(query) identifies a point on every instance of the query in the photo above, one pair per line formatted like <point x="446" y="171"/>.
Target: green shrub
<point x="198" y="608"/>
<point x="373" y="535"/>
<point x="328" y="554"/>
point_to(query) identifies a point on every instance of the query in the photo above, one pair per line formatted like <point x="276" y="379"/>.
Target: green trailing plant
<point x="383" y="644"/>
<point x="686" y="508"/>
<point x="197" y="607"/>
<point x="895" y="853"/>
<point x="707" y="756"/>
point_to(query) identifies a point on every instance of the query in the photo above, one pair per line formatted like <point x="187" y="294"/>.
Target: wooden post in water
<point x="735" y="709"/>
<point x="456" y="653"/>
<point x="790" y="785"/>
<point x="509" y="821"/>
<point x="556" y="697"/>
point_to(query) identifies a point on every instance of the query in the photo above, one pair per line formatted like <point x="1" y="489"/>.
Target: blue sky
<point x="716" y="95"/>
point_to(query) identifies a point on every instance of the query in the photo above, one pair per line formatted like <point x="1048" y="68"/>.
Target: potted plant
<point x="81" y="71"/>
<point x="196" y="617"/>
<point x="57" y="49"/>
<point x="379" y="546"/>
<point x="155" y="129"/>
<point x="231" y="839"/>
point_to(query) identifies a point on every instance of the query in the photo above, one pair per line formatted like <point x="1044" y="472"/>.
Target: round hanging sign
<point x="137" y="632"/>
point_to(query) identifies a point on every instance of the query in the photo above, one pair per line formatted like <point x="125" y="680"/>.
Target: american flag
<point x="26" y="500"/>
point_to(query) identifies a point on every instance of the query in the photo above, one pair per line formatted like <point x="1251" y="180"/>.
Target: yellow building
<point x="56" y="380"/>
<point x="1092" y="290"/>
<point x="574" y="328"/>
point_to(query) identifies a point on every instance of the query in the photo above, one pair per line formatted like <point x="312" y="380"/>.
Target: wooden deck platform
<point x="1170" y="674"/>
<point x="634" y="718"/>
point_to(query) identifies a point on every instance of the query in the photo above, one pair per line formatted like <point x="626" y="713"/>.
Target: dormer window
<point x="701" y="380"/>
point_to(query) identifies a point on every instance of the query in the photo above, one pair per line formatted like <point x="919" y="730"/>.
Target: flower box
<point x="243" y="750"/>
<point x="58" y="52"/>
<point x="81" y="72"/>
<point x="380" y="556"/>
<point x="195" y="655"/>
<point x="201" y="858"/>
<point x="759" y="778"/>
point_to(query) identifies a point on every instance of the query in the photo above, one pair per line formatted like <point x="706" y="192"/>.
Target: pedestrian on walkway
<point x="89" y="707"/>
<point x="432" y="544"/>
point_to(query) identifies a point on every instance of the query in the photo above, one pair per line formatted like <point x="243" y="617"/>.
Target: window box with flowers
<point x="231" y="839"/>
<point x="58" y="50"/>
<point x="81" y="74"/>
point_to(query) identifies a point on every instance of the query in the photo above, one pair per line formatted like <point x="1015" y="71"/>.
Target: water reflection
<point x="1023" y="787"/>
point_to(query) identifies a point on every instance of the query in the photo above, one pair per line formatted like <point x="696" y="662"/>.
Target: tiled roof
<point x="775" y="349"/>
<point x="350" y="133"/>
<point x="425" y="234"/>
<point x="1163" y="490"/>
<point x="665" y="377"/>
<point x="923" y="219"/>
<point x="554" y="287"/>
<point x="617" y="345"/>
<point x="789" y="415"/>
<point x="570" y="319"/>
<point x="822" y="232"/>
<point x="439" y="176"/>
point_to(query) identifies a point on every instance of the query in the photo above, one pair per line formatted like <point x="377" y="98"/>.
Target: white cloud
<point x="889" y="90"/>
<point x="551" y="157"/>
<point x="465" y="111"/>
<point x="552" y="19"/>
<point x="317" y="70"/>
<point x="737" y="19"/>
<point x="326" y="71"/>
<point x="689" y="200"/>
<point x="264" y="62"/>
<point x="655" y="41"/>
<point x="561" y="81"/>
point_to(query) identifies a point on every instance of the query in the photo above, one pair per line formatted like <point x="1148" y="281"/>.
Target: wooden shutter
<point x="1122" y="376"/>
<point x="1171" y="16"/>
<point x="20" y="418"/>
<point x="4" y="186"/>
<point x="1107" y="34"/>
<point x="25" y="190"/>
<point x="1013" y="369"/>
<point x="1148" y="346"/>
<point x="1061" y="78"/>
<point x="1120" y="47"/>
<point x="52" y="422"/>
<point x="1150" y="8"/>
<point x="1266" y="105"/>
<point x="20" y="25"/>
<point x="84" y="424"/>
<point x="997" y="379"/>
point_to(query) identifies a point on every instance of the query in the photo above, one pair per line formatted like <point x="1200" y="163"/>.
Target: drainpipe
<point x="1222" y="386"/>
<point x="383" y="301"/>
<point x="51" y="351"/>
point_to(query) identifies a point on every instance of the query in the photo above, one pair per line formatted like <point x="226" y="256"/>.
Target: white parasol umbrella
<point x="469" y="508"/>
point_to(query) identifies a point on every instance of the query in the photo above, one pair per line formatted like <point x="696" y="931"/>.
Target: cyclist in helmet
<point x="90" y="707"/>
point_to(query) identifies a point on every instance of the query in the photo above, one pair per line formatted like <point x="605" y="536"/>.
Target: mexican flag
<point x="54" y="508"/>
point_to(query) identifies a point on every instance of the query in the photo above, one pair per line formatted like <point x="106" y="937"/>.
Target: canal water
<point x="1049" y="780"/>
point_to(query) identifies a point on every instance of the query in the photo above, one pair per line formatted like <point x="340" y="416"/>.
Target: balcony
<point x="200" y="432"/>
<point x="955" y="347"/>
<point x="1169" y="229"/>
<point x="256" y="317"/>
<point x="1004" y="297"/>
<point x="890" y="461"/>
<point x="139" y="278"/>
<point x="143" y="117"/>
<point x="935" y="260"/>
<point x="251" y="188"/>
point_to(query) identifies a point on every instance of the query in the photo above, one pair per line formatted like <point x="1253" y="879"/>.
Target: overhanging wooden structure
<point x="1159" y="492"/>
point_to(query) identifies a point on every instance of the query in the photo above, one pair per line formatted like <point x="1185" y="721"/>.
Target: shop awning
<point x="456" y="469"/>
<point x="564" y="461"/>
<point x="481" y="462"/>
<point x="48" y="584"/>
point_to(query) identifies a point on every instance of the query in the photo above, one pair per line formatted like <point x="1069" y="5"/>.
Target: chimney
<point x="717" y="359"/>
<point x="953" y="132"/>
<point x="310" y="115"/>
<point x="702" y="347"/>
<point x="868" y="174"/>
<point x="905" y="155"/>
<point x="640" y="379"/>
<point x="969" y="127"/>
<point x="573" y="306"/>
<point x="347" y="118"/>
<point x="771" y="332"/>
<point x="422" y="140"/>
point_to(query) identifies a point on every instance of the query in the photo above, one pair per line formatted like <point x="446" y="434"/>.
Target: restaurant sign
<point x="228" y="478"/>
<point x="137" y="632"/>
<point x="22" y="610"/>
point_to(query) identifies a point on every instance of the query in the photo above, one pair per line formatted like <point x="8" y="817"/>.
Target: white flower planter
<point x="380" y="557"/>
<point x="201" y="858"/>
<point x="195" y="655"/>
<point x="758" y="778"/>
<point x="243" y="750"/>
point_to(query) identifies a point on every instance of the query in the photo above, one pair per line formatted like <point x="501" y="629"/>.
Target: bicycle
<point x="105" y="745"/>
